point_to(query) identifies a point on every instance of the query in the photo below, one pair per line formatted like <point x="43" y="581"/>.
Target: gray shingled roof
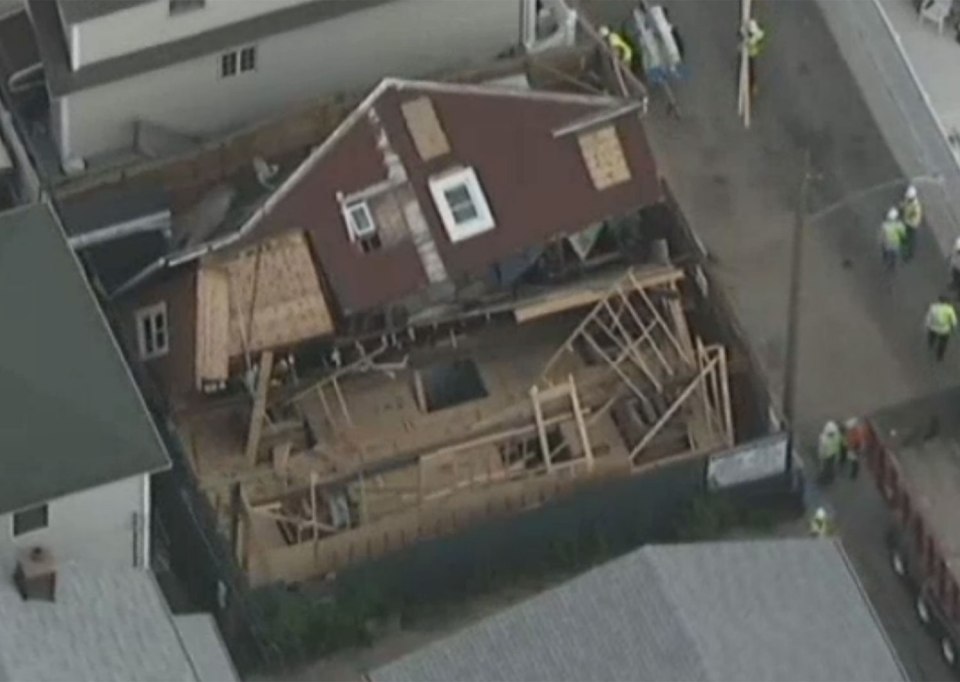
<point x="206" y="649"/>
<point x="72" y="416"/>
<point x="762" y="610"/>
<point x="107" y="624"/>
<point x="61" y="80"/>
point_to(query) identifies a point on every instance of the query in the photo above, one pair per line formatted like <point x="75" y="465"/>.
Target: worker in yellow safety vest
<point x="621" y="48"/>
<point x="820" y="526"/>
<point x="893" y="234"/>
<point x="912" y="213"/>
<point x="755" y="38"/>
<point x="941" y="322"/>
<point x="829" y="450"/>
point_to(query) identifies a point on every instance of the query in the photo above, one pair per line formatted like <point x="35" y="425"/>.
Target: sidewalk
<point x="907" y="74"/>
<point x="935" y="60"/>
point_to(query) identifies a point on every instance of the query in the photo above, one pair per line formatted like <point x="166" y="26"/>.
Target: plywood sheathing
<point x="213" y="325"/>
<point x="275" y="296"/>
<point x="425" y="129"/>
<point x="603" y="155"/>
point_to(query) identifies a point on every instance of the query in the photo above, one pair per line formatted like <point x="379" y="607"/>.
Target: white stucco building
<point x="194" y="68"/>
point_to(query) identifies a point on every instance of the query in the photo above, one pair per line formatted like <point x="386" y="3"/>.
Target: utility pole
<point x="793" y="299"/>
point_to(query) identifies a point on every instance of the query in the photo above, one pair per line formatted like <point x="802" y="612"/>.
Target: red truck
<point x="913" y="452"/>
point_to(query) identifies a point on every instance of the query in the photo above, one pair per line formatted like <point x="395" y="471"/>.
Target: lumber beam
<point x="259" y="406"/>
<point x="541" y="427"/>
<point x="581" y="426"/>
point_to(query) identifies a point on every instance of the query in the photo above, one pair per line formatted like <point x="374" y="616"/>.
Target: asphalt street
<point x="860" y="330"/>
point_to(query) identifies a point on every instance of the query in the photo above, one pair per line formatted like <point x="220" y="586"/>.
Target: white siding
<point x="405" y="38"/>
<point x="94" y="525"/>
<point x="149" y="24"/>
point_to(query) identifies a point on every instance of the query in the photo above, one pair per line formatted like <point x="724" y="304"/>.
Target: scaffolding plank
<point x="213" y="325"/>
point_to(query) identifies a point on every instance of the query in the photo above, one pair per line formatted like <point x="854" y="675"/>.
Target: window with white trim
<point x="361" y="225"/>
<point x="152" y="332"/>
<point x="29" y="520"/>
<point x="234" y="62"/>
<point x="461" y="203"/>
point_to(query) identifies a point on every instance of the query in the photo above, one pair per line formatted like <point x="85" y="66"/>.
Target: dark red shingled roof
<point x="537" y="185"/>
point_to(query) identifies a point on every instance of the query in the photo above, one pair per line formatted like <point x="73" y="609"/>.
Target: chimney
<point x="36" y="575"/>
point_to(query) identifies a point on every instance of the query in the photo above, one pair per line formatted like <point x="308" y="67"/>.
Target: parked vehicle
<point x="914" y="455"/>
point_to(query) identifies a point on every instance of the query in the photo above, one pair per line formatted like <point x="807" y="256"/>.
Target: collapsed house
<point x="460" y="306"/>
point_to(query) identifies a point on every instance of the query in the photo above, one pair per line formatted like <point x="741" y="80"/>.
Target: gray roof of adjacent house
<point x="759" y="610"/>
<point x="107" y="624"/>
<point x="72" y="416"/>
<point x="76" y="11"/>
<point x="61" y="80"/>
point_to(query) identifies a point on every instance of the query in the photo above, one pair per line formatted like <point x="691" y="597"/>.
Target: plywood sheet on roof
<point x="603" y="155"/>
<point x="213" y="325"/>
<point x="425" y="128"/>
<point x="275" y="296"/>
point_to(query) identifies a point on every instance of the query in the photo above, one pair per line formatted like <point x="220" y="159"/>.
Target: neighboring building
<point x="88" y="622"/>
<point x="773" y="610"/>
<point x="77" y="445"/>
<point x="125" y="75"/>
<point x="427" y="196"/>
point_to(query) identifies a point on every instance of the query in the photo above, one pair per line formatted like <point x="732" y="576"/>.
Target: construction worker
<point x="820" y="523"/>
<point x="893" y="233"/>
<point x="955" y="267"/>
<point x="941" y="322"/>
<point x="755" y="37"/>
<point x="618" y="44"/>
<point x="912" y="213"/>
<point x="855" y="441"/>
<point x="829" y="450"/>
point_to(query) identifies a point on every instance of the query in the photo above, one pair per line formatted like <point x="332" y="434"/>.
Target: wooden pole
<point x="259" y="406"/>
<point x="743" y="99"/>
<point x="541" y="428"/>
<point x="726" y="407"/>
<point x="581" y="426"/>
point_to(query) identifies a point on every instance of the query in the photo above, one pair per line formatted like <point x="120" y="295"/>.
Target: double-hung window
<point x="152" y="333"/>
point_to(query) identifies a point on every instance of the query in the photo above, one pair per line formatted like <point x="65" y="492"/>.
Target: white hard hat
<point x="911" y="192"/>
<point x="851" y="422"/>
<point x="820" y="514"/>
<point x="831" y="427"/>
<point x="604" y="31"/>
<point x="893" y="214"/>
<point x="753" y="26"/>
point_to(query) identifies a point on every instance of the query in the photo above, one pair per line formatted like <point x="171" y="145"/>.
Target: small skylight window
<point x="461" y="204"/>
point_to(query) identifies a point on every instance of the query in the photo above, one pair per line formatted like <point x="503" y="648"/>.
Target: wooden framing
<point x="213" y="325"/>
<point x="259" y="406"/>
